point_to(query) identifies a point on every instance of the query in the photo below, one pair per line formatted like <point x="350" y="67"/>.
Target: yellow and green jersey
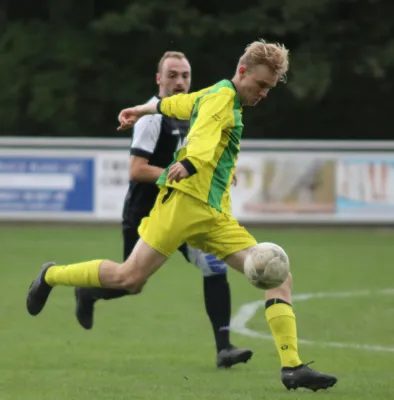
<point x="213" y="141"/>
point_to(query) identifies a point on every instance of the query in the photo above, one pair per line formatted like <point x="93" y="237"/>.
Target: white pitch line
<point x="247" y="312"/>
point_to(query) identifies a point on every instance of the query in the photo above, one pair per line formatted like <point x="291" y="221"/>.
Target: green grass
<point x="159" y="345"/>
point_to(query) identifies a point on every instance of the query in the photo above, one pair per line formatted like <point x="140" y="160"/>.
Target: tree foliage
<point x="68" y="67"/>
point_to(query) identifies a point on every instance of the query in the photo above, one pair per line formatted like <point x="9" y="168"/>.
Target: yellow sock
<point x="82" y="274"/>
<point x="282" y="322"/>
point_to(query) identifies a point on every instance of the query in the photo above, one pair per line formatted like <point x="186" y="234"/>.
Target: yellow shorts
<point x="177" y="218"/>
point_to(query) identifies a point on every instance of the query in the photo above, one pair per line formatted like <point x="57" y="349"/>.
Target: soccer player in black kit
<point x="155" y="139"/>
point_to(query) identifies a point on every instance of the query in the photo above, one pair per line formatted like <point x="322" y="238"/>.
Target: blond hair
<point x="275" y="56"/>
<point x="170" y="54"/>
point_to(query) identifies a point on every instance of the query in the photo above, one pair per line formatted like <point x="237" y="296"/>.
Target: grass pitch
<point x="159" y="345"/>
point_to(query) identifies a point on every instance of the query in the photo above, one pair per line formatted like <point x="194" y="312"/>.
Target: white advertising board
<point x="314" y="187"/>
<point x="111" y="184"/>
<point x="278" y="182"/>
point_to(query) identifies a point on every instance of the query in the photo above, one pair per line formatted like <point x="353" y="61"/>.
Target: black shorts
<point x="130" y="233"/>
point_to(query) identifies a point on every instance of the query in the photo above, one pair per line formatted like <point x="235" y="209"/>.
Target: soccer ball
<point x="266" y="265"/>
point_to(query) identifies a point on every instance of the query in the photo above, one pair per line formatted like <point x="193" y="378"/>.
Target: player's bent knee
<point x="136" y="289"/>
<point x="130" y="280"/>
<point x="134" y="286"/>
<point x="208" y="264"/>
<point x="212" y="266"/>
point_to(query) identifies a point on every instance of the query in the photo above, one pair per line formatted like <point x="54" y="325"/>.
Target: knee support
<point x="208" y="264"/>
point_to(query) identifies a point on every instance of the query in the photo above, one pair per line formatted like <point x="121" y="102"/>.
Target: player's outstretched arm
<point x="180" y="106"/>
<point x="129" y="116"/>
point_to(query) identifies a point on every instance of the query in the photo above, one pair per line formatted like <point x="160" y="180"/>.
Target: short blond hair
<point x="170" y="54"/>
<point x="274" y="55"/>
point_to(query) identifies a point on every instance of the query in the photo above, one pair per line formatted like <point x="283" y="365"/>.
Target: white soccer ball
<point x="267" y="265"/>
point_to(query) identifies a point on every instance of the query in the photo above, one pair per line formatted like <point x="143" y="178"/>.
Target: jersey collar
<point x="237" y="100"/>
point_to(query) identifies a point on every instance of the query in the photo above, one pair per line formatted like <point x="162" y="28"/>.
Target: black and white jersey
<point x="156" y="138"/>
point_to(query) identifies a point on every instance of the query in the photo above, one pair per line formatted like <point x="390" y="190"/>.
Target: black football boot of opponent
<point x="226" y="358"/>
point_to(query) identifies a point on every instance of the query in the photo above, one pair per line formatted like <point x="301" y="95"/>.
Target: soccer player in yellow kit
<point x="194" y="204"/>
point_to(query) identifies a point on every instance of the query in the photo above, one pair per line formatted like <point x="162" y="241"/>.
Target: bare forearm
<point x="149" y="108"/>
<point x="146" y="173"/>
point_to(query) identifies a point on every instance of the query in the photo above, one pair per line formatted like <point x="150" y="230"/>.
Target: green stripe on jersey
<point x="226" y="163"/>
<point x="163" y="177"/>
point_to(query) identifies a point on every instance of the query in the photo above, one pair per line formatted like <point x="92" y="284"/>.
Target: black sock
<point x="218" y="306"/>
<point x="105" y="293"/>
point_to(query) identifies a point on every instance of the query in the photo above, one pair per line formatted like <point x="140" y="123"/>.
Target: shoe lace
<point x="309" y="363"/>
